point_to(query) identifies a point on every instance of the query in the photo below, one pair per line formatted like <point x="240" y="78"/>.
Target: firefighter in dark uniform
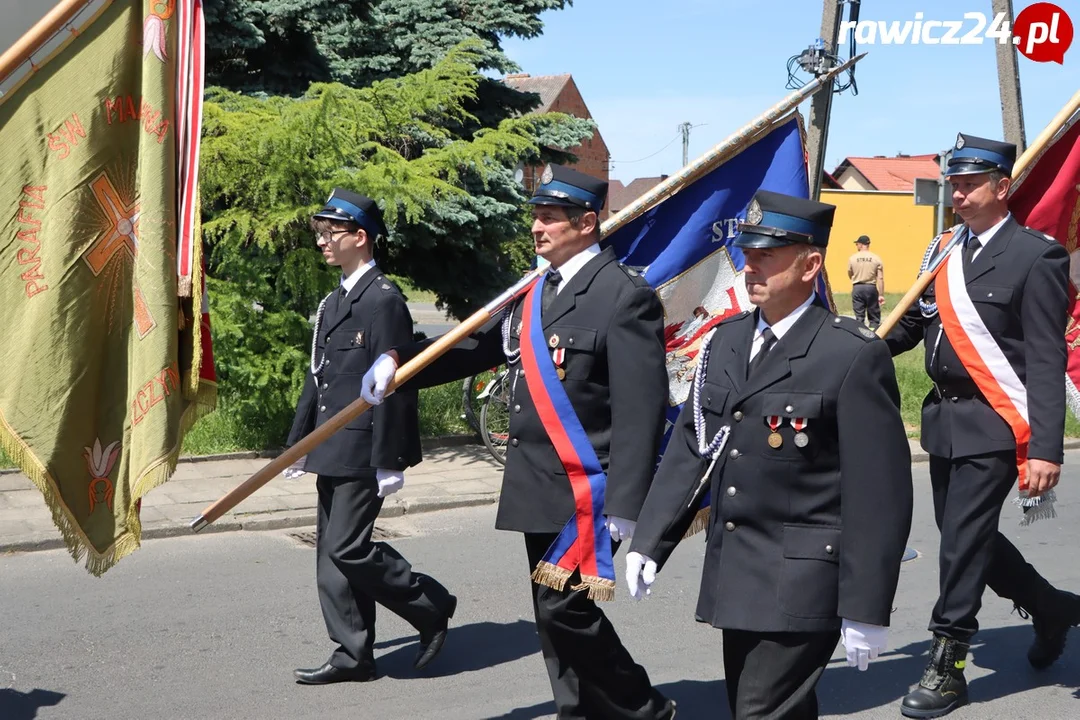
<point x="794" y="429"/>
<point x="1017" y="279"/>
<point x="603" y="325"/>
<point x="364" y="462"/>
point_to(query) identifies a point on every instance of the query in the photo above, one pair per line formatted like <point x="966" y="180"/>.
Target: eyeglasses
<point x="328" y="235"/>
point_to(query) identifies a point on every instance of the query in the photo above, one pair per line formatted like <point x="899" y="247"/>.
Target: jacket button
<point x="789" y="409"/>
<point x="737" y="415"/>
<point x="517" y="408"/>
<point x="734" y="454"/>
<point x="829" y="549"/>
<point x="322" y="409"/>
<point x="514" y="442"/>
<point x="731" y="491"/>
<point x="327" y="339"/>
<point x="729" y="526"/>
<point x="570" y="341"/>
<point x="325" y="386"/>
<point x="944" y="368"/>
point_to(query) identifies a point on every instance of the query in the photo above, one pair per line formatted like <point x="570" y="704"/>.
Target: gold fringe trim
<point x="157" y="473"/>
<point x="551" y="575"/>
<point x="699" y="523"/>
<point x="600" y="589"/>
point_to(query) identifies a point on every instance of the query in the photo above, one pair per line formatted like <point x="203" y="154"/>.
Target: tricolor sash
<point x="584" y="543"/>
<point x="991" y="371"/>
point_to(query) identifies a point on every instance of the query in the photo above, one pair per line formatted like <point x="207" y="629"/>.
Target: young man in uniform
<point x="364" y="462"/>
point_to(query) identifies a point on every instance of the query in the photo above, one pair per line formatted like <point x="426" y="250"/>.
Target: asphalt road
<point x="212" y="626"/>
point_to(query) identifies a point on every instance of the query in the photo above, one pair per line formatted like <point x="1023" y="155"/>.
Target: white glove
<point x="620" y="528"/>
<point x="295" y="470"/>
<point x="377" y="379"/>
<point x="640" y="574"/>
<point x="390" y="481"/>
<point x="863" y="642"/>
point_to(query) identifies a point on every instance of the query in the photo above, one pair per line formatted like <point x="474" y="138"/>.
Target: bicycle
<point x="495" y="415"/>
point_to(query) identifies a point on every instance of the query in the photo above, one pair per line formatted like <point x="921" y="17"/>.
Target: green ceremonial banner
<point x="100" y="358"/>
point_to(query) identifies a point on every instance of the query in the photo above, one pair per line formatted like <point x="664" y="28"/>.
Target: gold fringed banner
<point x="699" y="523"/>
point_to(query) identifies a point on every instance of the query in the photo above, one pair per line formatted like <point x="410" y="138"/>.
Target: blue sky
<point x="644" y="67"/>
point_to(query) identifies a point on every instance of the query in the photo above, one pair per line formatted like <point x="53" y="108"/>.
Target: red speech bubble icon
<point x="1043" y="32"/>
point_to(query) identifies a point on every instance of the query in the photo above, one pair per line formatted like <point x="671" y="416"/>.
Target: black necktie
<point x="550" y="290"/>
<point x="973" y="245"/>
<point x="768" y="339"/>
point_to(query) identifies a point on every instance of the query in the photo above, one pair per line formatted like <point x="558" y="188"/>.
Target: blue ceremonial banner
<point x="684" y="247"/>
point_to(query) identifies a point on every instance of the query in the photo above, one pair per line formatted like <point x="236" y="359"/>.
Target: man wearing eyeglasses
<point x="365" y="461"/>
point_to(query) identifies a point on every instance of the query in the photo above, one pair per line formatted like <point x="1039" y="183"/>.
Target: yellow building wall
<point x="899" y="233"/>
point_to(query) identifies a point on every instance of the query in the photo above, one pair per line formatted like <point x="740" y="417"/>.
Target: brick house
<point x="559" y="93"/>
<point x="888" y="174"/>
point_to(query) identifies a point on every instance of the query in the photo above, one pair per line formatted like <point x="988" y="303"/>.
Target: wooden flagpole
<point x="45" y="28"/>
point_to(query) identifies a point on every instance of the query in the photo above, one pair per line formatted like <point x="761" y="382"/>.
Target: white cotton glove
<point x="377" y="379"/>
<point x="640" y="574"/>
<point x="295" y="470"/>
<point x="620" y="528"/>
<point x="390" y="481"/>
<point x="863" y="642"/>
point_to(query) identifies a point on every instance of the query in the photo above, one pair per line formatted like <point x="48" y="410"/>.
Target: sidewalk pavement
<point x="450" y="476"/>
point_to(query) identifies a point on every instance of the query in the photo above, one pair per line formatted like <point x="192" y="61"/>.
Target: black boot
<point x="1056" y="611"/>
<point x="943" y="687"/>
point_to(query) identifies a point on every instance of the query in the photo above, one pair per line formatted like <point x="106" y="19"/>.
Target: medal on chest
<point x="775" y="439"/>
<point x="558" y="355"/>
<point x="801" y="438"/>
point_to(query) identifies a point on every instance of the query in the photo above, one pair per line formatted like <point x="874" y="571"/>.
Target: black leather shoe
<point x="431" y="641"/>
<point x="330" y="674"/>
<point x="943" y="687"/>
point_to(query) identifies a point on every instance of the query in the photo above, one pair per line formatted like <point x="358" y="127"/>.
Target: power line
<point x="628" y="162"/>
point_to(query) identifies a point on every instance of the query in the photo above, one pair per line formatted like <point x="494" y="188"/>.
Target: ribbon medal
<point x="559" y="356"/>
<point x="801" y="438"/>
<point x="775" y="439"/>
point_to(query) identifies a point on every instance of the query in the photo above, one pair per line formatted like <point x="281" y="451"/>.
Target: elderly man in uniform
<point x="993" y="326"/>
<point x="363" y="463"/>
<point x="586" y="351"/>
<point x="794" y="429"/>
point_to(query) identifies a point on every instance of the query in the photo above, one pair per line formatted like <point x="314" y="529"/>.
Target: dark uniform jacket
<point x="798" y="537"/>
<point x="610" y="323"/>
<point x="355" y="330"/>
<point x="1019" y="284"/>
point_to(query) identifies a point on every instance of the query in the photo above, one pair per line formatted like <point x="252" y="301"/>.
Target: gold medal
<point x="561" y="373"/>
<point x="775" y="440"/>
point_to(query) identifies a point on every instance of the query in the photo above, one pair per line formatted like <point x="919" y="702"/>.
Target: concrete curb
<point x="254" y="522"/>
<point x="426" y="444"/>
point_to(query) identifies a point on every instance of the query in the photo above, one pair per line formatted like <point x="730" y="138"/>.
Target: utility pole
<point x="1012" y="109"/>
<point x="822" y="103"/>
<point x="684" y="128"/>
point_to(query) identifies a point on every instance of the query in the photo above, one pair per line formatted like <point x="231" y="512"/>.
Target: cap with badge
<point x="777" y="220"/>
<point x="973" y="155"/>
<point x="560" y="185"/>
<point x="347" y="206"/>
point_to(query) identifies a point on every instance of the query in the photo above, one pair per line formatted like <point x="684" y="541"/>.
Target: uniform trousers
<point x="968" y="497"/>
<point x="593" y="677"/>
<point x="773" y="676"/>
<point x="353" y="573"/>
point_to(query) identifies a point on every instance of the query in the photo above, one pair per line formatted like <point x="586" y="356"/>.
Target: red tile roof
<point x="893" y="173"/>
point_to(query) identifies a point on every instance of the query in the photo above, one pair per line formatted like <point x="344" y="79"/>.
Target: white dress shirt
<point x="988" y="235"/>
<point x="348" y="283"/>
<point x="570" y="268"/>
<point x="781" y="326"/>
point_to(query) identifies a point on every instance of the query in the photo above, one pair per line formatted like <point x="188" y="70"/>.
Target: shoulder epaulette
<point x="387" y="285"/>
<point x="855" y="328"/>
<point x="1038" y="234"/>
<point x="634" y="273"/>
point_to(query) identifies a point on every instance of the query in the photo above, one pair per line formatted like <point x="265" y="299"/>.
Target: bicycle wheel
<point x="469" y="391"/>
<point x="495" y="418"/>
